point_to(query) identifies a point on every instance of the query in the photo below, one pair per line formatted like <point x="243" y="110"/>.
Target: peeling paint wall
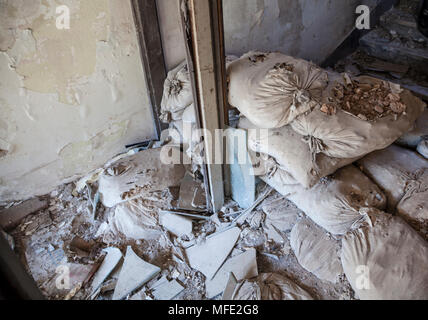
<point x="70" y="99"/>
<point x="309" y="29"/>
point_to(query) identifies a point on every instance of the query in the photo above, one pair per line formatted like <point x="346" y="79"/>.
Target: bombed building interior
<point x="214" y="149"/>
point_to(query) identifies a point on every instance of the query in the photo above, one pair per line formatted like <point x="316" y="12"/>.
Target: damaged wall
<point x="70" y="99"/>
<point x="309" y="29"/>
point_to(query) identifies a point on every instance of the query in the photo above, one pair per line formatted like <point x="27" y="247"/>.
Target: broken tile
<point x="109" y="263"/>
<point x="135" y="272"/>
<point x="243" y="266"/>
<point x="209" y="256"/>
<point x="10" y="218"/>
<point x="230" y="287"/>
<point x="176" y="224"/>
<point x="167" y="290"/>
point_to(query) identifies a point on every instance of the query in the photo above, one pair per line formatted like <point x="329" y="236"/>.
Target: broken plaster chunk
<point x="209" y="256"/>
<point x="315" y="251"/>
<point x="10" y="218"/>
<point x="243" y="266"/>
<point x="109" y="263"/>
<point x="230" y="287"/>
<point x="134" y="273"/>
<point x="167" y="290"/>
<point x="176" y="224"/>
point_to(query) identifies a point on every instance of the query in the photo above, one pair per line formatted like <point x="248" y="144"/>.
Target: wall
<point x="69" y="99"/>
<point x="310" y="29"/>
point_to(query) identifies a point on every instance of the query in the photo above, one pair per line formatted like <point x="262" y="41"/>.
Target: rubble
<point x="243" y="266"/>
<point x="112" y="258"/>
<point x="207" y="257"/>
<point x="167" y="290"/>
<point x="10" y="217"/>
<point x="178" y="225"/>
<point x="134" y="273"/>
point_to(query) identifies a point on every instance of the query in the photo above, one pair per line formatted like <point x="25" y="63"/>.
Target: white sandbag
<point x="139" y="174"/>
<point x="280" y="212"/>
<point x="422" y="147"/>
<point x="344" y="135"/>
<point x="392" y="169"/>
<point x="337" y="203"/>
<point x="417" y="134"/>
<point x="291" y="152"/>
<point x="177" y="93"/>
<point x="189" y="114"/>
<point x="271" y="89"/>
<point x="270" y="286"/>
<point x="316" y="251"/>
<point x="414" y="209"/>
<point x="135" y="219"/>
<point x="387" y="260"/>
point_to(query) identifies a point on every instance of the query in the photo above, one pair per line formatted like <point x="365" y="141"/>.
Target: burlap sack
<point x="393" y="169"/>
<point x="271" y="89"/>
<point x="270" y="286"/>
<point x="316" y="251"/>
<point x="337" y="203"/>
<point x="137" y="175"/>
<point x="387" y="260"/>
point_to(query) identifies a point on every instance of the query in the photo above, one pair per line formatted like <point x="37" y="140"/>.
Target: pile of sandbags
<point x="316" y="121"/>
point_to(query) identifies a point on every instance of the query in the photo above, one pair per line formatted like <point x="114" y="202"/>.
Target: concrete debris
<point x="230" y="287"/>
<point x="134" y="273"/>
<point x="113" y="257"/>
<point x="210" y="255"/>
<point x="178" y="225"/>
<point x="243" y="266"/>
<point x="11" y="217"/>
<point x="167" y="290"/>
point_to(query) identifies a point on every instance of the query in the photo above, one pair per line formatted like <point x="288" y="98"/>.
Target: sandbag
<point x="393" y="169"/>
<point x="280" y="212"/>
<point x="271" y="89"/>
<point x="177" y="93"/>
<point x="387" y="260"/>
<point x="345" y="135"/>
<point x="139" y="174"/>
<point x="270" y="286"/>
<point x="135" y="219"/>
<point x="291" y="153"/>
<point x="419" y="132"/>
<point x="338" y="203"/>
<point x="316" y="251"/>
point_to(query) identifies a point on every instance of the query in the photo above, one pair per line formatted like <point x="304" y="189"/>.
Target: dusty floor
<point x="44" y="242"/>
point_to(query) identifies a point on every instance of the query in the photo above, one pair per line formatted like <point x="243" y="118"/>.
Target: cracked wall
<point x="309" y="29"/>
<point x="70" y="99"/>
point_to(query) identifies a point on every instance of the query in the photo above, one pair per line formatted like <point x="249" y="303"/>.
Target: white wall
<point x="69" y="99"/>
<point x="309" y="29"/>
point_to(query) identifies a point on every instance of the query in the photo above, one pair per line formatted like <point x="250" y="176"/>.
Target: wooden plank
<point x="209" y="91"/>
<point x="150" y="43"/>
<point x="11" y="217"/>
